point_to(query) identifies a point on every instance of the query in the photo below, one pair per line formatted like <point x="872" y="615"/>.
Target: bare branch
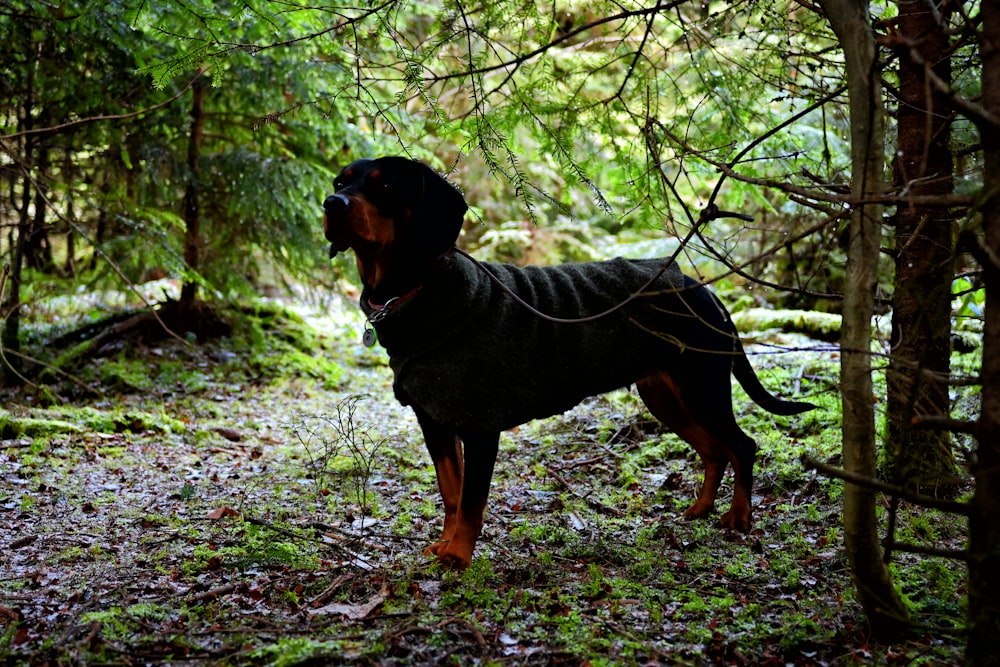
<point x="986" y="256"/>
<point x="886" y="488"/>
<point x="907" y="48"/>
<point x="957" y="554"/>
<point x="56" y="129"/>
<point x="954" y="200"/>
<point x="534" y="53"/>
<point x="942" y="423"/>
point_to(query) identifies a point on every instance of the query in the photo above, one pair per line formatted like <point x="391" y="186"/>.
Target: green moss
<point x="42" y="423"/>
<point x="289" y="651"/>
<point x="114" y="622"/>
<point x="283" y="345"/>
<point x="821" y="326"/>
<point x="34" y="427"/>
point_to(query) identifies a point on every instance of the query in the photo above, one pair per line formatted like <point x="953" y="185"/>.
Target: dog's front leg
<point x="480" y="457"/>
<point x="446" y="452"/>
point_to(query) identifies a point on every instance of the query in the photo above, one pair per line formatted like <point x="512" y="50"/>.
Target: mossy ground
<point x="205" y="505"/>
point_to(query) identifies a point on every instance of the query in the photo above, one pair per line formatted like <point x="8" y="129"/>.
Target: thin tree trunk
<point x="984" y="523"/>
<point x="883" y="607"/>
<point x="69" y="268"/>
<point x="11" y="336"/>
<point x="37" y="249"/>
<point x="186" y="307"/>
<point x="921" y="317"/>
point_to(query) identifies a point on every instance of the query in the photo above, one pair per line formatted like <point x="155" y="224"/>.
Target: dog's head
<point x="391" y="210"/>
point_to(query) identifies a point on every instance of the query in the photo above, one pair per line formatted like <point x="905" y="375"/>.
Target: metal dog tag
<point x="368" y="337"/>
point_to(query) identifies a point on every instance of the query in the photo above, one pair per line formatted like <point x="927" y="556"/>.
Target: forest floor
<point x="261" y="499"/>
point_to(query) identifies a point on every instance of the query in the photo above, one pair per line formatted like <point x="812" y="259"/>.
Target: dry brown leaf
<point x="355" y="612"/>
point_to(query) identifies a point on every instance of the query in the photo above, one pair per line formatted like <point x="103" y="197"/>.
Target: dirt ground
<point x="267" y="503"/>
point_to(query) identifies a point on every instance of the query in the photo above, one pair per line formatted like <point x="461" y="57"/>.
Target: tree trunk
<point x="37" y="249"/>
<point x="921" y="316"/>
<point x="186" y="307"/>
<point x="984" y="523"/>
<point x="883" y="607"/>
<point x="11" y="337"/>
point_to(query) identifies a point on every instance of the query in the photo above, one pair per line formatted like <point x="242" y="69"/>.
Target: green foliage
<point x="567" y="108"/>
<point x="969" y="299"/>
<point x="264" y="164"/>
<point x="563" y="126"/>
<point x="570" y="127"/>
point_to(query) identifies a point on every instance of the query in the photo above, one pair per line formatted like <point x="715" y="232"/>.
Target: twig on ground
<point x="593" y="504"/>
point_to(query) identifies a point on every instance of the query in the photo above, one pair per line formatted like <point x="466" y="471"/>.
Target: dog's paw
<point x="699" y="510"/>
<point x="435" y="549"/>
<point x="454" y="561"/>
<point x="448" y="558"/>
<point x="736" y="520"/>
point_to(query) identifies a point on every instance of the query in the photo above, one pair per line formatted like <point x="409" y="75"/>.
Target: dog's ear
<point x="437" y="218"/>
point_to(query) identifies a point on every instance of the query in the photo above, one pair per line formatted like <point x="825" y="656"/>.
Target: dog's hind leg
<point x="662" y="396"/>
<point x="704" y="419"/>
<point x="445" y="449"/>
<point x="712" y="408"/>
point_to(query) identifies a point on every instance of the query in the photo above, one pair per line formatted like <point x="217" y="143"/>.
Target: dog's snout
<point x="336" y="203"/>
<point x="334" y="209"/>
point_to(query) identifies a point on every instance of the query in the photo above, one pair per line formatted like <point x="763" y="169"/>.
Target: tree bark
<point x="984" y="523"/>
<point x="882" y="605"/>
<point x="921" y="316"/>
<point x="37" y="249"/>
<point x="10" y="338"/>
<point x="187" y="306"/>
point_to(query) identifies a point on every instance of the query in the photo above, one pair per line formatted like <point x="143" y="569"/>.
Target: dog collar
<point x="380" y="311"/>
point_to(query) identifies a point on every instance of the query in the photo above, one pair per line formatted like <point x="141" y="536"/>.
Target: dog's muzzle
<point x="333" y="209"/>
<point x="337" y="202"/>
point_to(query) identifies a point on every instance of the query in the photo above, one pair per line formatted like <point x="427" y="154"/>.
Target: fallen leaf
<point x="230" y="434"/>
<point x="355" y="612"/>
<point x="23" y="541"/>
<point x="220" y="512"/>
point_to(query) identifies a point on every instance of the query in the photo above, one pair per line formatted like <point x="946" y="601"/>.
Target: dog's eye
<point x="337" y="185"/>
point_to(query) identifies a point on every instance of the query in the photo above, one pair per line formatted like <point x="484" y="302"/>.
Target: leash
<point x="710" y="212"/>
<point x="562" y="320"/>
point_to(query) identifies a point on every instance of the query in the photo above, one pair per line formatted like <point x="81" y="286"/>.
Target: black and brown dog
<point x="472" y="361"/>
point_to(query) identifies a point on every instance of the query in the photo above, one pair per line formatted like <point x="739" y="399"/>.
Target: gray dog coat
<point x="469" y="355"/>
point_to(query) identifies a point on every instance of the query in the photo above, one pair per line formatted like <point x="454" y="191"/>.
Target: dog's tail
<point x="757" y="392"/>
<point x="751" y="384"/>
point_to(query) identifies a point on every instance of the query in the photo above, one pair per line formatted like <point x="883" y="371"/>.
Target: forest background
<point x="177" y="153"/>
